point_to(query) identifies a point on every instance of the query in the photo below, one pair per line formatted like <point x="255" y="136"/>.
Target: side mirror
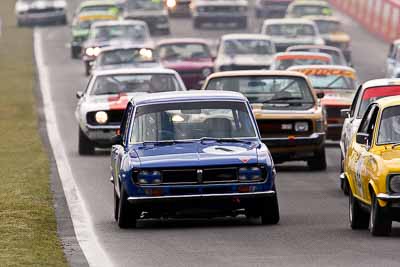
<point x="345" y="113"/>
<point x="116" y="140"/>
<point x="79" y="94"/>
<point x="320" y="95"/>
<point x="362" y="138"/>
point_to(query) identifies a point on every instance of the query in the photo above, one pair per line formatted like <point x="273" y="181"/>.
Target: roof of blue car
<point x="184" y="96"/>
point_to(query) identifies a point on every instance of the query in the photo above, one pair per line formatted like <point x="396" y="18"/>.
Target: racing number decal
<point x="359" y="167"/>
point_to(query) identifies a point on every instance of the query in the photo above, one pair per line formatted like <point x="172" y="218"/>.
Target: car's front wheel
<point x="380" y="223"/>
<point x="270" y="210"/>
<point x="85" y="145"/>
<point x="358" y="217"/>
<point x="318" y="162"/>
<point x="126" y="211"/>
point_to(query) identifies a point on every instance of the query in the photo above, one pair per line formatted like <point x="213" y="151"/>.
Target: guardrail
<point x="381" y="17"/>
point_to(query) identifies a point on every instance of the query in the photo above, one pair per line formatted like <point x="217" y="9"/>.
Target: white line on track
<point x="81" y="219"/>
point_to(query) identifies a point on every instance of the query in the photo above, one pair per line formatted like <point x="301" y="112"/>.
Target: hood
<point x="337" y="97"/>
<point x="248" y="59"/>
<point x="196" y="154"/>
<point x="391" y="156"/>
<point x="109" y="102"/>
<point x="188" y="65"/>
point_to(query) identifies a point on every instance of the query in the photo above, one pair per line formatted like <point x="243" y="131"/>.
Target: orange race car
<point x="338" y="83"/>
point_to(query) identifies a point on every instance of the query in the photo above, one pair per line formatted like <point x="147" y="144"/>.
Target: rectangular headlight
<point x="301" y="126"/>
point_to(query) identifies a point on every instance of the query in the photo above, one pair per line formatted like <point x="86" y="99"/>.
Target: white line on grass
<point x="81" y="219"/>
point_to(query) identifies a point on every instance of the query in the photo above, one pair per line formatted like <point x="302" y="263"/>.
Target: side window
<point x="355" y="100"/>
<point x="364" y="125"/>
<point x="369" y="122"/>
<point x="125" y="122"/>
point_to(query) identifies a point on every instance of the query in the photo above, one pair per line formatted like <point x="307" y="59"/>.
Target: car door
<point x="360" y="156"/>
<point x="118" y="150"/>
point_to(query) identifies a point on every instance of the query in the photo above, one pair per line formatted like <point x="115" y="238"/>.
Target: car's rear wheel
<point x="358" y="217"/>
<point x="126" y="211"/>
<point x="85" y="145"/>
<point x="318" y="162"/>
<point x="380" y="223"/>
<point x="270" y="210"/>
<point x="343" y="184"/>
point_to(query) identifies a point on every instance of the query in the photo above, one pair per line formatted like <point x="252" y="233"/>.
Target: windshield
<point x="192" y="121"/>
<point x="389" y="130"/>
<point x="331" y="78"/>
<point x="374" y="93"/>
<point x="311" y="10"/>
<point x="250" y="46"/>
<point x="183" y="51"/>
<point x="286" y="61"/>
<point x="134" y="83"/>
<point x="266" y="89"/>
<point x="125" y="56"/>
<point x="291" y="30"/>
<point x="336" y="56"/>
<point x="326" y="27"/>
<point x="135" y="32"/>
<point x="145" y="4"/>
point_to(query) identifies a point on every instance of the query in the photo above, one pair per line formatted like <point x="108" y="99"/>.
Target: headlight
<point x="206" y="72"/>
<point x="101" y="117"/>
<point x="149" y="177"/>
<point x="248" y="174"/>
<point x="93" y="51"/>
<point x="301" y="126"/>
<point x="171" y="3"/>
<point x="394" y="184"/>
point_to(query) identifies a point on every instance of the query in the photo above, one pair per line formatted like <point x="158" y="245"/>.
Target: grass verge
<point x="28" y="230"/>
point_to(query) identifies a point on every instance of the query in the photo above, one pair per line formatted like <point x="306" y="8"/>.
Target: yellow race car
<point x="372" y="168"/>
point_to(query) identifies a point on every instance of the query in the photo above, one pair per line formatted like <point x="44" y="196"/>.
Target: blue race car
<point x="191" y="153"/>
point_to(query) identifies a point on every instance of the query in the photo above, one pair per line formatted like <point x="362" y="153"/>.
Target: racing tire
<point x="85" y="145"/>
<point x="88" y="68"/>
<point x="116" y="205"/>
<point x="318" y="162"/>
<point x="126" y="212"/>
<point x="358" y="217"/>
<point x="270" y="211"/>
<point x="380" y="223"/>
<point x="343" y="184"/>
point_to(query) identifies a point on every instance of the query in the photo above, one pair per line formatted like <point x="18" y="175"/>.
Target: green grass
<point x="28" y="230"/>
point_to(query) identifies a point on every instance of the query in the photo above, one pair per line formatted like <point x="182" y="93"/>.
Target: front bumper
<point x="297" y="148"/>
<point x="200" y="197"/>
<point x="101" y="135"/>
<point x="393" y="198"/>
<point x="42" y="17"/>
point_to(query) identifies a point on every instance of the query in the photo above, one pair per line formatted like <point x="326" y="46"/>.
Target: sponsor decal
<point x="328" y="72"/>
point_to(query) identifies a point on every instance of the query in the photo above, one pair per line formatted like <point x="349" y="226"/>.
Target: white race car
<point x="101" y="107"/>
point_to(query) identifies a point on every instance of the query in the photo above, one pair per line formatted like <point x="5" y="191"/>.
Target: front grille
<point x="114" y="117"/>
<point x="188" y="176"/>
<point x="281" y="128"/>
<point x="221" y="9"/>
<point x="220" y="175"/>
<point x="334" y="112"/>
<point x="49" y="9"/>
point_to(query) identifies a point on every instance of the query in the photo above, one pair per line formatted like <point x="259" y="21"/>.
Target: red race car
<point x="191" y="58"/>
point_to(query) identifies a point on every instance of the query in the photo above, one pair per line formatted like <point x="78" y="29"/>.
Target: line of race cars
<point x="213" y="151"/>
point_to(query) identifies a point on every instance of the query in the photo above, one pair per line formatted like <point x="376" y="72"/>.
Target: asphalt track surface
<point x="313" y="230"/>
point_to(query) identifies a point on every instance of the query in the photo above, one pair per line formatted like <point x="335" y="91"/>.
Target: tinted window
<point x="184" y="51"/>
<point x="290" y="30"/>
<point x="374" y="93"/>
<point x="125" y="56"/>
<point x="243" y="47"/>
<point x="104" y="33"/>
<point x="389" y="130"/>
